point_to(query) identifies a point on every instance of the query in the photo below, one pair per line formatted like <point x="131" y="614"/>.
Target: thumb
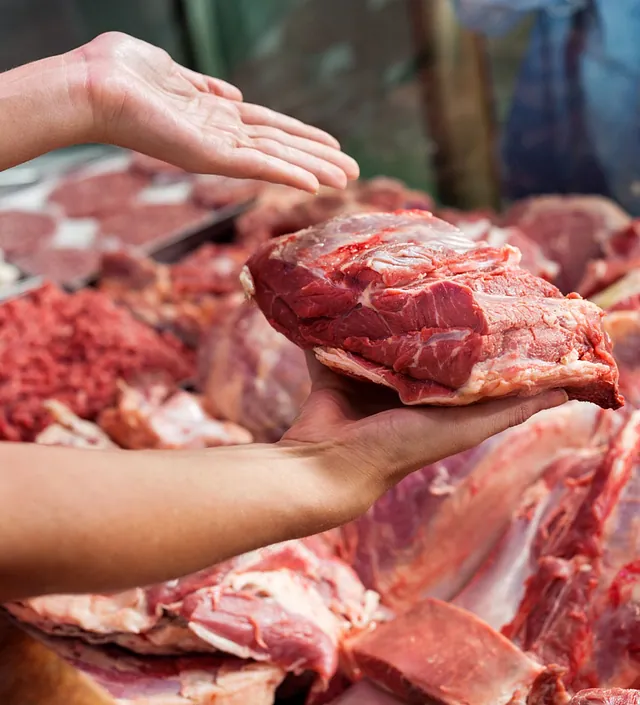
<point x="474" y="424"/>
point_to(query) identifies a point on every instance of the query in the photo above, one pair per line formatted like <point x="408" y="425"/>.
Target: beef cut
<point x="431" y="533"/>
<point x="572" y="230"/>
<point x="24" y="232"/>
<point x="252" y="375"/>
<point x="405" y="300"/>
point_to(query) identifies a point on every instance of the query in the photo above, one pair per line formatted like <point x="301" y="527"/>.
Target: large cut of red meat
<point x="405" y="300"/>
<point x="571" y="230"/>
<point x="290" y="605"/>
<point x="429" y="535"/>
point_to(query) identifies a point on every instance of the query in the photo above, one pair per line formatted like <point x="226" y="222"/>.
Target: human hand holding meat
<point x="119" y="90"/>
<point x="365" y="441"/>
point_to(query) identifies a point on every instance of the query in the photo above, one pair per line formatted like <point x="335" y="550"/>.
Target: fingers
<point x="475" y="424"/>
<point x="266" y="134"/>
<point x="208" y="84"/>
<point x="259" y="115"/>
<point x="249" y="163"/>
<point x="327" y="174"/>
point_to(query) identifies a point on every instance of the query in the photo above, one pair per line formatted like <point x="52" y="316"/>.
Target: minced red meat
<point x="74" y="348"/>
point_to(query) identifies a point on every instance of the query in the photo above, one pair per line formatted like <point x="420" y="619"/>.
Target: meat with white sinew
<point x="406" y="301"/>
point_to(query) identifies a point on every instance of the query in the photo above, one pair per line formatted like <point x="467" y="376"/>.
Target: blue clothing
<point x="574" y="124"/>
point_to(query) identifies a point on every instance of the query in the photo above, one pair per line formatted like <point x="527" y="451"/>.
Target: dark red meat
<point x="405" y="300"/>
<point x="95" y="196"/>
<point x="73" y="348"/>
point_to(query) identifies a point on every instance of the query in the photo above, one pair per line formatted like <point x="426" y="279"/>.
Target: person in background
<point x="73" y="520"/>
<point x="574" y="122"/>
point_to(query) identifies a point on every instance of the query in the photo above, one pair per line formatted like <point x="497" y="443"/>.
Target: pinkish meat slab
<point x="406" y="301"/>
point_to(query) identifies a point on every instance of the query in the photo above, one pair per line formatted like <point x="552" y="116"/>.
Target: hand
<point x="369" y="441"/>
<point x="141" y="99"/>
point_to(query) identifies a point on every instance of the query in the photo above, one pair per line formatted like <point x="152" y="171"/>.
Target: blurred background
<point x="473" y="100"/>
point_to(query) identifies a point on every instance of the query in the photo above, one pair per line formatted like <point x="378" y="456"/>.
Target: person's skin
<point x="98" y="521"/>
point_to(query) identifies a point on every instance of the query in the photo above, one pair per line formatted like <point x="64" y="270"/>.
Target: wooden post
<point x="458" y="105"/>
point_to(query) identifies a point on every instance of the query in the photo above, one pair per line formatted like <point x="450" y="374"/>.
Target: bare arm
<point x="122" y="91"/>
<point x="94" y="521"/>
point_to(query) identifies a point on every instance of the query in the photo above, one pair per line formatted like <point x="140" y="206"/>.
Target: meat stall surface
<point x="405" y="300"/>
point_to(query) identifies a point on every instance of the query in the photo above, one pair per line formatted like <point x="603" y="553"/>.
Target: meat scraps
<point x="571" y="230"/>
<point x="288" y="605"/>
<point x="406" y="301"/>
<point x="70" y="431"/>
<point x="155" y="416"/>
<point x="185" y="298"/>
<point x="73" y="348"/>
<point x="98" y="195"/>
<point x="252" y="375"/>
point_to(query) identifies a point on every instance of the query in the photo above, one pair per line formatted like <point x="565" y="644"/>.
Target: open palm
<point x="141" y="99"/>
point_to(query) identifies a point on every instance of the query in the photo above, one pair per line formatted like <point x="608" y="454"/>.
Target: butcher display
<point x="406" y="301"/>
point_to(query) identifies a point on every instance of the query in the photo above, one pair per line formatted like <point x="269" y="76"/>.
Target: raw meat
<point x="23" y="232"/>
<point x="150" y="166"/>
<point x="614" y="696"/>
<point x="71" y="431"/>
<point x="285" y="605"/>
<point x="99" y="195"/>
<point x="187" y="680"/>
<point x="570" y="229"/>
<point x="148" y="223"/>
<point x="185" y="299"/>
<point x="366" y="694"/>
<point x="252" y="375"/>
<point x="216" y="192"/>
<point x="624" y="295"/>
<point x="533" y="258"/>
<point x="624" y="329"/>
<point x="430" y="534"/>
<point x="406" y="301"/>
<point x="61" y="265"/>
<point x="282" y="210"/>
<point x="154" y="416"/>
<point x="440" y="653"/>
<point x="73" y="348"/>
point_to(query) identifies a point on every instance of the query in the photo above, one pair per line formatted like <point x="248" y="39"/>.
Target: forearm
<point x="100" y="521"/>
<point x="42" y="108"/>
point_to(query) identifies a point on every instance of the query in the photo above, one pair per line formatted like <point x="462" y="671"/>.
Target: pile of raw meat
<point x="508" y="573"/>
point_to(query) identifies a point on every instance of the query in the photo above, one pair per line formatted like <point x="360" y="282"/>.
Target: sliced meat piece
<point x="211" y="269"/>
<point x="429" y="535"/>
<point x="443" y="654"/>
<point x="624" y="295"/>
<point x="70" y="431"/>
<point x="99" y="195"/>
<point x="149" y="223"/>
<point x="252" y="375"/>
<point x="61" y="265"/>
<point x="572" y="230"/>
<point x="23" y="232"/>
<point x="214" y="192"/>
<point x="283" y="604"/>
<point x="188" y="680"/>
<point x="406" y="301"/>
<point x="157" y="417"/>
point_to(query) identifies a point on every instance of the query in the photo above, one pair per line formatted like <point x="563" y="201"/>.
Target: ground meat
<point x="99" y="195"/>
<point x="23" y="232"/>
<point x="147" y="223"/>
<point x="211" y="269"/>
<point x="62" y="265"/>
<point x="74" y="348"/>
